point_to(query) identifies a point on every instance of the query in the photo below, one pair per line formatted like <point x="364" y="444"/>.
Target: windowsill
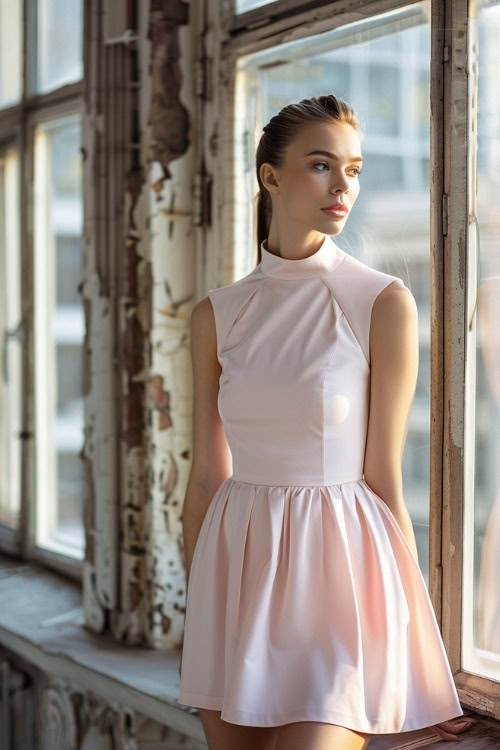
<point x="43" y="624"/>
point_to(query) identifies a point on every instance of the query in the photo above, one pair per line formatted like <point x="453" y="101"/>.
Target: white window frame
<point x="17" y="124"/>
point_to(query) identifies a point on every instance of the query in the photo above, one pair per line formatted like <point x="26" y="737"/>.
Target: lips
<point x="336" y="207"/>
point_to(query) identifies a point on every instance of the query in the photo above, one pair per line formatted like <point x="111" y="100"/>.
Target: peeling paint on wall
<point x="161" y="400"/>
<point x="139" y="168"/>
<point x="170" y="120"/>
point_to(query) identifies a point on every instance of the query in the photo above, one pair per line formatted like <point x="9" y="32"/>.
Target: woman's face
<point x="309" y="182"/>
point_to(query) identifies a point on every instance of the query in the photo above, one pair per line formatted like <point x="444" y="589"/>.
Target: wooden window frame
<point x="450" y="258"/>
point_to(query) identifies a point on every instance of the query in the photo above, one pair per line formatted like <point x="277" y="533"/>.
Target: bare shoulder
<point x="394" y="305"/>
<point x="203" y="319"/>
<point x="394" y="320"/>
<point x="204" y="337"/>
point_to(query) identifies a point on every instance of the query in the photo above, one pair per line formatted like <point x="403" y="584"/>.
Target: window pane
<point x="241" y="6"/>
<point x="11" y="340"/>
<point x="59" y="39"/>
<point x="381" y="66"/>
<point x="59" y="334"/>
<point x="10" y="52"/>
<point x="481" y="610"/>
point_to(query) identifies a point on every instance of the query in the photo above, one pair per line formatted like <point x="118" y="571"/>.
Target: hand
<point x="448" y="730"/>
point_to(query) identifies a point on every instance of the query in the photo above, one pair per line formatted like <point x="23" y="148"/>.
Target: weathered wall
<point x="138" y="294"/>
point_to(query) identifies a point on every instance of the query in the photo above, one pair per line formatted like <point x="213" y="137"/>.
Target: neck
<point x="322" y="261"/>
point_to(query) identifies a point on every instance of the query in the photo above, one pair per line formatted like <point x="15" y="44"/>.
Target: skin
<point x="298" y="191"/>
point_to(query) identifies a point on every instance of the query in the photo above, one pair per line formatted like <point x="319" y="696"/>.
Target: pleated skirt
<point x="305" y="603"/>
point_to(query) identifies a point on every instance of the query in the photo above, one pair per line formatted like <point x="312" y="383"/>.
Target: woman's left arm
<point x="393" y="378"/>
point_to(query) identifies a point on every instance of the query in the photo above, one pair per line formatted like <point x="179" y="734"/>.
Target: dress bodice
<point x="293" y="345"/>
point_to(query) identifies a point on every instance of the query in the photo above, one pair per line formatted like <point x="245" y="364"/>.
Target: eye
<point x="355" y="169"/>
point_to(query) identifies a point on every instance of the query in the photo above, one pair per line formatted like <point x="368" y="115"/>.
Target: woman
<point x="308" y="622"/>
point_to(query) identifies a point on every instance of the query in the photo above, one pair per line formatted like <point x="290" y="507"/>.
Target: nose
<point x="340" y="182"/>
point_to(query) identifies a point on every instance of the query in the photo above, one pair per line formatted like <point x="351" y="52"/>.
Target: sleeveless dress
<point x="304" y="600"/>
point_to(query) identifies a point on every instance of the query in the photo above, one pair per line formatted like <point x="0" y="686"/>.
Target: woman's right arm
<point x="211" y="460"/>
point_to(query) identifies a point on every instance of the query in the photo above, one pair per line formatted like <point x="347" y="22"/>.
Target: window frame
<point x="10" y="537"/>
<point x="450" y="256"/>
<point x="17" y="124"/>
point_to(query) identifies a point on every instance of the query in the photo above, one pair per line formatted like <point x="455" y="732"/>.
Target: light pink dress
<point x="305" y="602"/>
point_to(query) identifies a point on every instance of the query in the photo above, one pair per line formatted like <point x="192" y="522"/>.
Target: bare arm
<point x="212" y="461"/>
<point x="394" y="368"/>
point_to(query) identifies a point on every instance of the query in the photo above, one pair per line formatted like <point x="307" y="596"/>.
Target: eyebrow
<point x="334" y="156"/>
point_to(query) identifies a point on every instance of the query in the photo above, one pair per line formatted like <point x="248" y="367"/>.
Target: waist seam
<point x="261" y="484"/>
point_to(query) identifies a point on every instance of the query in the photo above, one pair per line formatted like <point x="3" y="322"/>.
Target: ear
<point x="270" y="177"/>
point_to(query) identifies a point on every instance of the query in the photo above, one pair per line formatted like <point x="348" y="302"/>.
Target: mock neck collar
<point x="320" y="263"/>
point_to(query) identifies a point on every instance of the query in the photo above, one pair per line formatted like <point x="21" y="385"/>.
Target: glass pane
<point x="481" y="610"/>
<point x="11" y="23"/>
<point x="381" y="66"/>
<point x="59" y="43"/>
<point x="10" y="341"/>
<point x="241" y="6"/>
<point x="59" y="334"/>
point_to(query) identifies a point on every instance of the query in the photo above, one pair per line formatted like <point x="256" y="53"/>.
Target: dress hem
<point x="350" y="721"/>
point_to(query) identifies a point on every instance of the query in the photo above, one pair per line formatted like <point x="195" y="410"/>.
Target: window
<point x="59" y="43"/>
<point x="10" y="44"/>
<point x="11" y="344"/>
<point x="242" y="6"/>
<point x="58" y="335"/>
<point x="481" y="622"/>
<point x="432" y="152"/>
<point x="41" y="400"/>
<point x="363" y="62"/>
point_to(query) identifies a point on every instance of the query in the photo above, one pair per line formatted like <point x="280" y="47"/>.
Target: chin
<point x="336" y="227"/>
